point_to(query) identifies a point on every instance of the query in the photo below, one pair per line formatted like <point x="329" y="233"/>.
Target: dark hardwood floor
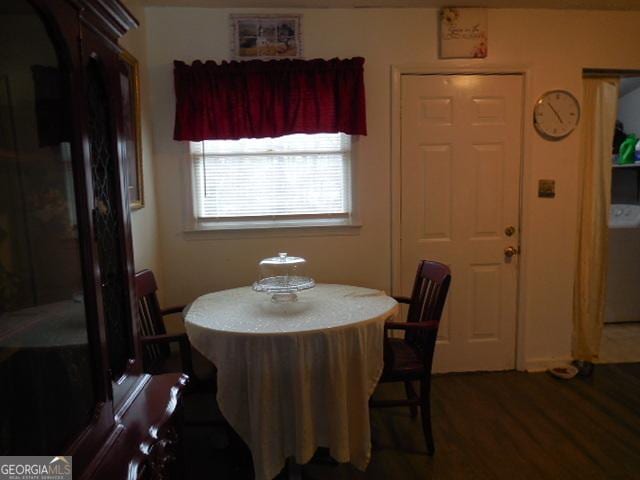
<point x="508" y="425"/>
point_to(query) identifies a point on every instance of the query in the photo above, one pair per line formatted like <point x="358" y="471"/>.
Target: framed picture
<point x="266" y="36"/>
<point x="131" y="127"/>
<point x="463" y="32"/>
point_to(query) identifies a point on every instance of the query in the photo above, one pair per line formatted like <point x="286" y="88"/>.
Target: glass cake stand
<point x="283" y="277"/>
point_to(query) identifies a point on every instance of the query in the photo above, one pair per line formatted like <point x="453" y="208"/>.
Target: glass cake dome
<point x="282" y="277"/>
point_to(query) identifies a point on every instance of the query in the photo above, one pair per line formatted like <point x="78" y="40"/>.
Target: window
<point x="290" y="180"/>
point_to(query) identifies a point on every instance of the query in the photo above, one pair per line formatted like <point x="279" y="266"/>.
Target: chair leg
<point x="411" y="394"/>
<point x="425" y="413"/>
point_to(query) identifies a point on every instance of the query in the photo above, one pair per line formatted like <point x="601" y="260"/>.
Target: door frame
<point x="397" y="71"/>
<point x="619" y="73"/>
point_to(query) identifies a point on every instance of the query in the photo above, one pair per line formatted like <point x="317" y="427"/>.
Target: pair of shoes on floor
<point x="585" y="369"/>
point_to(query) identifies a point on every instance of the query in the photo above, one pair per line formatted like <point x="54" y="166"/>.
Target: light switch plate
<point x="546" y="188"/>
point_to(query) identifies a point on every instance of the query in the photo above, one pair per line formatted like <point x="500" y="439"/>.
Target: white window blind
<point x="290" y="176"/>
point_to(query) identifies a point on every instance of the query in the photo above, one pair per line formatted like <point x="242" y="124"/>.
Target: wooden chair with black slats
<point x="409" y="359"/>
<point x="157" y="354"/>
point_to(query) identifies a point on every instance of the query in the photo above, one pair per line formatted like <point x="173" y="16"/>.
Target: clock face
<point x="556" y="114"/>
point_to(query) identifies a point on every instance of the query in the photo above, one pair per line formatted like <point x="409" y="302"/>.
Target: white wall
<point x="629" y="111"/>
<point x="144" y="222"/>
<point x="554" y="45"/>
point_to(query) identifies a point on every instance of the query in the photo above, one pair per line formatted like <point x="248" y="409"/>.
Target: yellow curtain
<point x="599" y="111"/>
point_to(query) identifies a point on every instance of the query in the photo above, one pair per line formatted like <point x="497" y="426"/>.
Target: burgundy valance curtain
<point x="257" y="99"/>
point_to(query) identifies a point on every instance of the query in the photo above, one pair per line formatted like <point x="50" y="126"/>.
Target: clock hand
<point x="556" y="112"/>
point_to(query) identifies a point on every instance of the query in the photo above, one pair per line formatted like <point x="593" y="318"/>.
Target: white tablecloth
<point x="296" y="376"/>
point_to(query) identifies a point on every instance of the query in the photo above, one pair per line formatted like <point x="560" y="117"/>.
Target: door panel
<point x="461" y="151"/>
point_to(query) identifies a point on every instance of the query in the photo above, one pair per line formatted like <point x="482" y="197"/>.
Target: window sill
<point x="310" y="227"/>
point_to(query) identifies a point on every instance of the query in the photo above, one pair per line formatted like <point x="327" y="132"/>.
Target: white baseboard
<point x="542" y="364"/>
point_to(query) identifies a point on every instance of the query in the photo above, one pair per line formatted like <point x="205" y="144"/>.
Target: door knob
<point x="510" y="252"/>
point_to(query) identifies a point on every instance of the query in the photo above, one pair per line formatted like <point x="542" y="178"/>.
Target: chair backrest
<point x="150" y="315"/>
<point x="429" y="295"/>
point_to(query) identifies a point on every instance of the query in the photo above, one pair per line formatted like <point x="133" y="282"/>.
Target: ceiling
<point x="557" y="4"/>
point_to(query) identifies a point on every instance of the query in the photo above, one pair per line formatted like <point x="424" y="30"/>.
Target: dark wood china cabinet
<point x="71" y="377"/>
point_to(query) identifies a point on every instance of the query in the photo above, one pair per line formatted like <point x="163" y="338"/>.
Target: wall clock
<point x="556" y="114"/>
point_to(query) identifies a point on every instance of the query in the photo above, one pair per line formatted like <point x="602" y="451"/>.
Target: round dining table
<point x="293" y="377"/>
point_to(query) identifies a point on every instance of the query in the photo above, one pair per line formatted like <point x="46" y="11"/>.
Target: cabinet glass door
<point x="45" y="363"/>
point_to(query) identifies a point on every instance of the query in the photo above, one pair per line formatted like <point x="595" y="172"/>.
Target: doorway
<point x="459" y="203"/>
<point x="620" y="320"/>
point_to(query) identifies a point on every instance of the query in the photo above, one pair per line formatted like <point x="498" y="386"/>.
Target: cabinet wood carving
<point x="70" y="357"/>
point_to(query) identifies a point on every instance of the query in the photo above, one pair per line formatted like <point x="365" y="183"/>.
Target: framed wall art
<point x="266" y="36"/>
<point x="463" y="32"/>
<point x="131" y="126"/>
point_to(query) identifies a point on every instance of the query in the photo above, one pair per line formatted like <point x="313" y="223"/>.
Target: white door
<point x="461" y="150"/>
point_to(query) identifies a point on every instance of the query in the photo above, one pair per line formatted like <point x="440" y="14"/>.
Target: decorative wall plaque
<point x="463" y="32"/>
